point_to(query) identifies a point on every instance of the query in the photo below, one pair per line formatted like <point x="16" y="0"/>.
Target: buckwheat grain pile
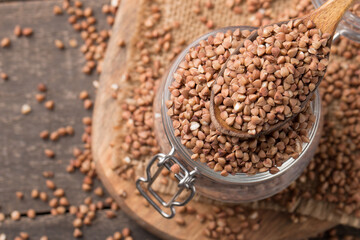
<point x="189" y="111"/>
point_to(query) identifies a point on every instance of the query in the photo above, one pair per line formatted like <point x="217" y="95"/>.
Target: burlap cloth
<point x="190" y="29"/>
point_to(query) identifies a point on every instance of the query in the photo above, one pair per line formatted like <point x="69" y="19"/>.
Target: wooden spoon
<point x="326" y="18"/>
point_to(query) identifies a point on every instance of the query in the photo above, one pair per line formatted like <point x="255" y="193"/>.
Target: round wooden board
<point x="274" y="225"/>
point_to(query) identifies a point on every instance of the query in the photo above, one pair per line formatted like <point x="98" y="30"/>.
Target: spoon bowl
<point x="325" y="19"/>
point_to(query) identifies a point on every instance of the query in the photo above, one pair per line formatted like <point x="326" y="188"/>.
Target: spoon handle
<point x="327" y="17"/>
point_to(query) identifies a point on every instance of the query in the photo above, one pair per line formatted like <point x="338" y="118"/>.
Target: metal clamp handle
<point x="185" y="178"/>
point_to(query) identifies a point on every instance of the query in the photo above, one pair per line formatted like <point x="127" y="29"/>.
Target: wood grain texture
<point x="60" y="227"/>
<point x="275" y="225"/>
<point x="28" y="62"/>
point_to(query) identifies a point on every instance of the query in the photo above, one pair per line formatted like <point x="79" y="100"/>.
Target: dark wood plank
<point x="60" y="227"/>
<point x="28" y="62"/>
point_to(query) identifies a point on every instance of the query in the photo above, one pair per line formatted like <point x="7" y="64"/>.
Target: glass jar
<point x="348" y="27"/>
<point x="238" y="188"/>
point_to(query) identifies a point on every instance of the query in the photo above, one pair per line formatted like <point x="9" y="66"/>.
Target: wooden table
<point x="30" y="61"/>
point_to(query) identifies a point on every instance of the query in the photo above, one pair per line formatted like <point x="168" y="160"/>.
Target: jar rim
<point x="185" y="153"/>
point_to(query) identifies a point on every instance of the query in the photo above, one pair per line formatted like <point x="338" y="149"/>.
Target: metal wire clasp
<point x="185" y="178"/>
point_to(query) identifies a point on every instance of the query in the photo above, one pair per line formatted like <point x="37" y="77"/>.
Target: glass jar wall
<point x="232" y="188"/>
